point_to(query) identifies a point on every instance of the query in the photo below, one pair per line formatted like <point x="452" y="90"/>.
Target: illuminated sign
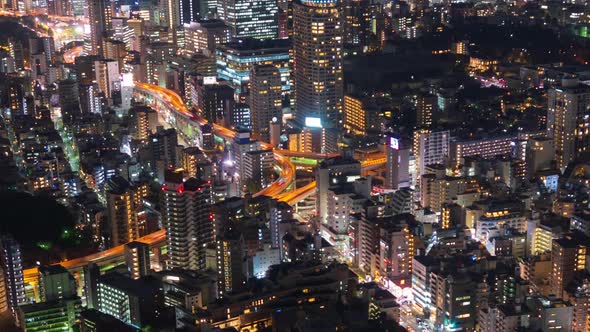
<point x="352" y="178"/>
<point x="394" y="143"/>
<point x="313" y="122"/>
<point x="207" y="80"/>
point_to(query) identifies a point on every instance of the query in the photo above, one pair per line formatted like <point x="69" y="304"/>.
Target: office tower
<point x="330" y="174"/>
<point x="91" y="274"/>
<point x="196" y="164"/>
<point x="108" y="77"/>
<point x="385" y="246"/>
<point x="117" y="49"/>
<point x="214" y="101"/>
<point x="203" y="37"/>
<point x="238" y="116"/>
<point x="137" y="259"/>
<point x="68" y="100"/>
<point x="362" y="116"/>
<point x="235" y="61"/>
<point x="56" y="283"/>
<point x="56" y="315"/>
<point x="186" y="214"/>
<point x="240" y="146"/>
<point x="568" y="107"/>
<point x="11" y="260"/>
<point x="131" y="301"/>
<point x="84" y="66"/>
<point x="540" y="154"/>
<point x="397" y="164"/>
<point x="315" y="139"/>
<point x="144" y="122"/>
<point x="258" y="168"/>
<point x="568" y="255"/>
<point x="125" y="210"/>
<point x="43" y="46"/>
<point x="39" y="68"/>
<point x="265" y="99"/>
<point x="279" y="212"/>
<point x="231" y="261"/>
<point x="163" y="146"/>
<point x="256" y="19"/>
<point x="317" y="56"/>
<point x="430" y="148"/>
<point x="425" y="104"/>
<point x="100" y="14"/>
<point x="191" y="11"/>
<point x="59" y="7"/>
<point x="90" y="101"/>
<point x="92" y="320"/>
<point x="16" y="97"/>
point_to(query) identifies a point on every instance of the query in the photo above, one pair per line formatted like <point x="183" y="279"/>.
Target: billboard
<point x="313" y="122"/>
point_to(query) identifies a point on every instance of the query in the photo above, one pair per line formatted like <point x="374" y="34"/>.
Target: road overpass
<point x="190" y="123"/>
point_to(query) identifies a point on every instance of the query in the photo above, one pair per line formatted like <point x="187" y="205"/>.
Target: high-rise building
<point x="258" y="167"/>
<point x="131" y="301"/>
<point x="238" y="116"/>
<point x="330" y="174"/>
<point x="144" y="122"/>
<point x="214" y="101"/>
<point x="567" y="119"/>
<point x="186" y="213"/>
<point x="57" y="315"/>
<point x="265" y="99"/>
<point x="430" y="148"/>
<point x="125" y="210"/>
<point x="11" y="260"/>
<point x="137" y="259"/>
<point x="56" y="283"/>
<point x="108" y="77"/>
<point x="487" y="147"/>
<point x="317" y="54"/>
<point x="204" y="36"/>
<point x="91" y="274"/>
<point x="231" y="262"/>
<point x="163" y="146"/>
<point x="568" y="255"/>
<point x="397" y="172"/>
<point x="59" y="8"/>
<point x="241" y="145"/>
<point x="100" y="14"/>
<point x="425" y="105"/>
<point x="362" y="116"/>
<point x="236" y="60"/>
<point x="256" y="19"/>
<point x="540" y="154"/>
<point x="90" y="101"/>
<point x="69" y="100"/>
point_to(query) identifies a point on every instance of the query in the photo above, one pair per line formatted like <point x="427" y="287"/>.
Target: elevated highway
<point x="189" y="124"/>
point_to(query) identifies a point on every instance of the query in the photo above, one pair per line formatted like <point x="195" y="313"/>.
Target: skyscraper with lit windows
<point x="100" y="13"/>
<point x="188" y="220"/>
<point x="256" y="19"/>
<point x="265" y="98"/>
<point x="317" y="55"/>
